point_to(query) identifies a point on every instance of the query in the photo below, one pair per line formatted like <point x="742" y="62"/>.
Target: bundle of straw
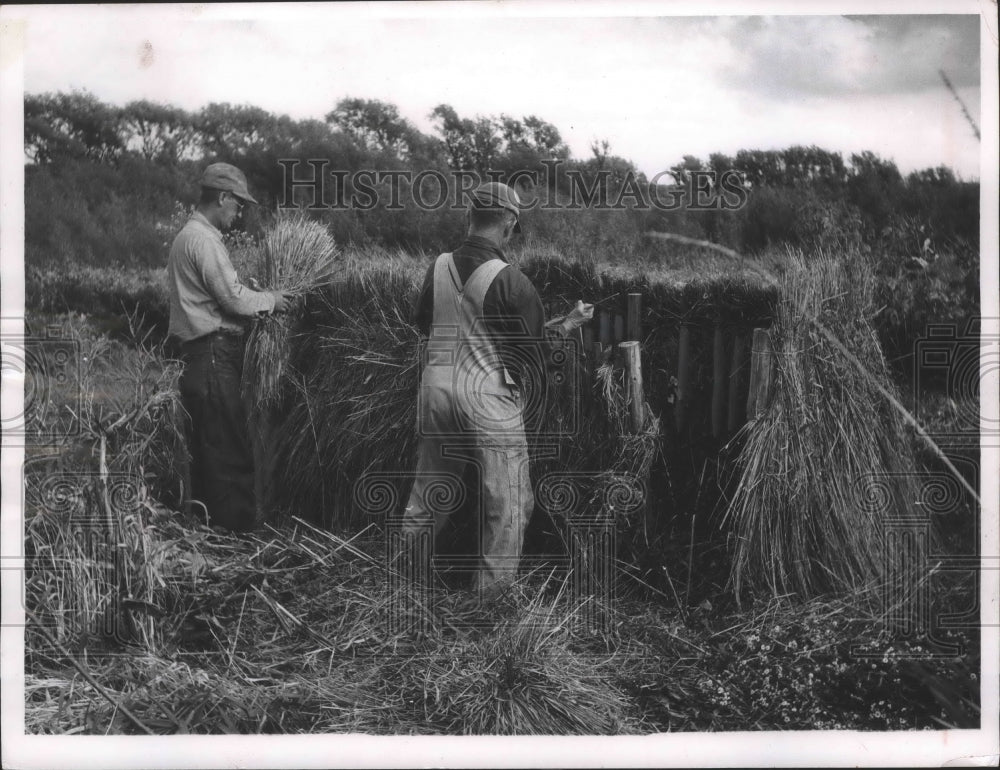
<point x="823" y="469"/>
<point x="298" y="256"/>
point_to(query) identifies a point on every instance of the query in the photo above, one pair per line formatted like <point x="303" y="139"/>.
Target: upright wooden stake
<point x="585" y="370"/>
<point x="761" y="363"/>
<point x="576" y="366"/>
<point x="683" y="377"/>
<point x="604" y="326"/>
<point x="737" y="384"/>
<point x="590" y="339"/>
<point x="633" y="330"/>
<point x="619" y="328"/>
<point x="633" y="383"/>
<point x="576" y="344"/>
<point x="720" y="372"/>
<point x="767" y="381"/>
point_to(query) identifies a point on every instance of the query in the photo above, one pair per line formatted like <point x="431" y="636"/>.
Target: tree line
<point x="77" y="125"/>
<point x="124" y="168"/>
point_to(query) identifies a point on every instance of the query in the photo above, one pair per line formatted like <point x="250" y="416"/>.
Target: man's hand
<point x="283" y="301"/>
<point x="578" y="316"/>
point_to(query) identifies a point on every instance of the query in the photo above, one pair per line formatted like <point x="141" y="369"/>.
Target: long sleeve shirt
<point x="512" y="310"/>
<point x="206" y="295"/>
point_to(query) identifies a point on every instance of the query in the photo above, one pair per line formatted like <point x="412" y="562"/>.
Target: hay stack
<point x="818" y="475"/>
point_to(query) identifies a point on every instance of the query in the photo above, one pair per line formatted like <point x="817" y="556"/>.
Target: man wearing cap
<point x="209" y="312"/>
<point x="485" y="351"/>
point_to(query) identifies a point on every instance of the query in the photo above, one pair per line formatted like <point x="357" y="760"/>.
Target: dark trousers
<point x="222" y="467"/>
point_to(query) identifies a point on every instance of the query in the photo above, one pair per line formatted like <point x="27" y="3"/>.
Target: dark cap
<point x="498" y="195"/>
<point x="223" y="176"/>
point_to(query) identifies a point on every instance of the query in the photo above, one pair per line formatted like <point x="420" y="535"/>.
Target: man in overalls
<point x="485" y="350"/>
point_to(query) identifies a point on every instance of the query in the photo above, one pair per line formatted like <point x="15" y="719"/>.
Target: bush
<point x="87" y="213"/>
<point x="941" y="288"/>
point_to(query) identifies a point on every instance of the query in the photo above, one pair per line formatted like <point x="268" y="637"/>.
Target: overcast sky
<point x="655" y="87"/>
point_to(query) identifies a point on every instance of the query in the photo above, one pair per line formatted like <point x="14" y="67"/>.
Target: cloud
<point x="797" y="57"/>
<point x="656" y="87"/>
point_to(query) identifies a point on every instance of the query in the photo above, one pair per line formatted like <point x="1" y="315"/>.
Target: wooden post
<point x="720" y="372"/>
<point x="604" y="326"/>
<point x="737" y="383"/>
<point x="760" y="374"/>
<point x="683" y="377"/>
<point x="619" y="328"/>
<point x="597" y="351"/>
<point x="587" y="348"/>
<point x="576" y="343"/>
<point x="583" y="367"/>
<point x="571" y="362"/>
<point x="633" y="330"/>
<point x="633" y="383"/>
<point x="576" y="367"/>
<point x="767" y="381"/>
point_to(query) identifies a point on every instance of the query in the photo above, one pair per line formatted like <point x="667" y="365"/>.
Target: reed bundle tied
<point x="821" y="474"/>
<point x="298" y="256"/>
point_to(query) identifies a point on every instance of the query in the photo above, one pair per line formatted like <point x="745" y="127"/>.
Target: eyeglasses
<point x="240" y="205"/>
